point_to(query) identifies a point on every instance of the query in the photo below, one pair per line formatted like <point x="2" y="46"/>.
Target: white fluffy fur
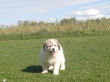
<point x="54" y="61"/>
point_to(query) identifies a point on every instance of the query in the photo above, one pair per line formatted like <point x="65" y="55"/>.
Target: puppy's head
<point x="51" y="46"/>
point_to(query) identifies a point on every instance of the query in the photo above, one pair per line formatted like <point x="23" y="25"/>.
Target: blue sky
<point x="12" y="11"/>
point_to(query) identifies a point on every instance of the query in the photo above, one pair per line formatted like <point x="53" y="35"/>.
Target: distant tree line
<point x="65" y="25"/>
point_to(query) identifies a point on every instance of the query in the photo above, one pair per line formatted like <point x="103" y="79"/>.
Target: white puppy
<point x="52" y="57"/>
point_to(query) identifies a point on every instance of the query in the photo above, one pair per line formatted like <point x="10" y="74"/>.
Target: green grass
<point x="87" y="60"/>
<point x="57" y="34"/>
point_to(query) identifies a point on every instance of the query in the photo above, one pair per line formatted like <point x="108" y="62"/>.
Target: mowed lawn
<point x="87" y="60"/>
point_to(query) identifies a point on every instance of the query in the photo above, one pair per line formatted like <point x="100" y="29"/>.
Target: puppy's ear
<point x="44" y="46"/>
<point x="59" y="46"/>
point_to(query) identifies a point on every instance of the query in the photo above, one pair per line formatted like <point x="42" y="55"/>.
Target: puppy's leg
<point x="62" y="66"/>
<point x="56" y="69"/>
<point x="45" y="69"/>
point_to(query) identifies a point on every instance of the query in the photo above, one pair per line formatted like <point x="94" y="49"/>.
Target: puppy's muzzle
<point x="53" y="51"/>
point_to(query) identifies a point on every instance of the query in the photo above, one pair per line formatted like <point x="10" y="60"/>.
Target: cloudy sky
<point x="49" y="10"/>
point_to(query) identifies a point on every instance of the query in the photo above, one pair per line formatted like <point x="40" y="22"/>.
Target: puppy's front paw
<point x="62" y="68"/>
<point x="44" y="71"/>
<point x="55" y="73"/>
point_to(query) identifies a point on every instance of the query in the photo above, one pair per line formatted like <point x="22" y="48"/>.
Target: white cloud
<point x="100" y="6"/>
<point x="51" y="19"/>
<point x="103" y="8"/>
<point x="92" y="12"/>
<point x="67" y="17"/>
<point x="75" y="13"/>
<point x="85" y="14"/>
<point x="81" y="18"/>
<point x="79" y="13"/>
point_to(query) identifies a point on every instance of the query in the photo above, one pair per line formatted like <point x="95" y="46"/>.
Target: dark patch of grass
<point x="33" y="69"/>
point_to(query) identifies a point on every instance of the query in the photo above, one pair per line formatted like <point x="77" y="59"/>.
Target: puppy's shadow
<point x="33" y="69"/>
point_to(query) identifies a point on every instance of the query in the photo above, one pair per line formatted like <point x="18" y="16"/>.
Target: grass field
<point x="87" y="60"/>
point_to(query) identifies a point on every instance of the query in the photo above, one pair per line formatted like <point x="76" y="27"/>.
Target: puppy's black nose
<point x="53" y="49"/>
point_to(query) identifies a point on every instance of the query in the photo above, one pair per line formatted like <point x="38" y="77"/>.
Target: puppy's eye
<point x="50" y="46"/>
